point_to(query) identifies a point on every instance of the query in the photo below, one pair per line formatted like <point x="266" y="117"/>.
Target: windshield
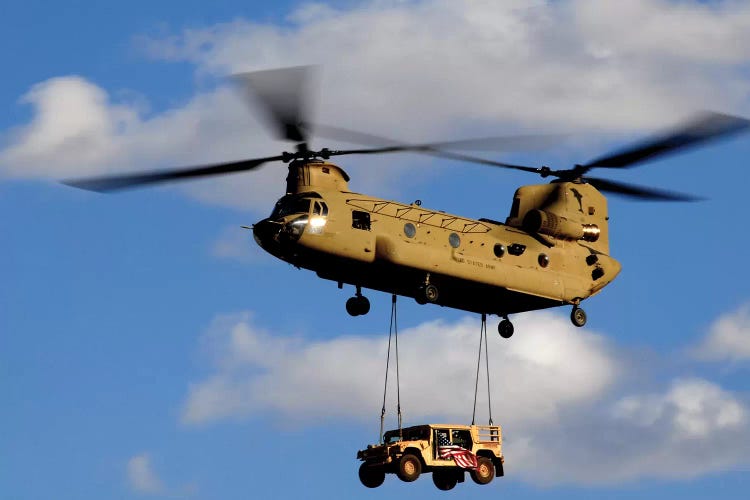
<point x="410" y="434"/>
<point x="290" y="205"/>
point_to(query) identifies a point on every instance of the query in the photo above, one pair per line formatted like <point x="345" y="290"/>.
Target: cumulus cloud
<point x="260" y="372"/>
<point x="728" y="338"/>
<point x="563" y="395"/>
<point x="142" y="477"/>
<point x="411" y="70"/>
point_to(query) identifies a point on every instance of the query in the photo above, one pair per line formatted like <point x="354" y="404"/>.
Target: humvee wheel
<point x="485" y="471"/>
<point x="409" y="468"/>
<point x="578" y="316"/>
<point x="444" y="480"/>
<point x="370" y="476"/>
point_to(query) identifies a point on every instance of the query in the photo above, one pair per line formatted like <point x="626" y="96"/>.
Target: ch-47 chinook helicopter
<point x="552" y="250"/>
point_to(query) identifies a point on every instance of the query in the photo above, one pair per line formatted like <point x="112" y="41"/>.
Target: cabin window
<point x="410" y="230"/>
<point x="361" y="220"/>
<point x="543" y="260"/>
<point x="516" y="249"/>
<point x="499" y="249"/>
<point x="454" y="240"/>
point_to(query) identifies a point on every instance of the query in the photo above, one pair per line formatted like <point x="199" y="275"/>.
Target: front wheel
<point x="371" y="476"/>
<point x="578" y="316"/>
<point x="444" y="481"/>
<point x="485" y="471"/>
<point x="409" y="468"/>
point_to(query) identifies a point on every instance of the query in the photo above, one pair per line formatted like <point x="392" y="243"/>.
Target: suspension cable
<point x="392" y="332"/>
<point x="482" y="334"/>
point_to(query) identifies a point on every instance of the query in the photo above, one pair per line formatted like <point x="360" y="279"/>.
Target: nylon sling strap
<point x="392" y="333"/>
<point x="483" y="335"/>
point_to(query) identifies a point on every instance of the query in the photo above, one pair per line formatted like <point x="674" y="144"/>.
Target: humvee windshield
<point x="410" y="434"/>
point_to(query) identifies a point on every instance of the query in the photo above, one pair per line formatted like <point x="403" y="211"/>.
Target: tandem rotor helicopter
<point x="552" y="250"/>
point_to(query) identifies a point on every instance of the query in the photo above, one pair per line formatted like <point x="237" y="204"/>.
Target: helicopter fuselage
<point x="477" y="265"/>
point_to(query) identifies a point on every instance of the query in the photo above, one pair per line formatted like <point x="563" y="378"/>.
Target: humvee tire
<point x="409" y="468"/>
<point x="370" y="476"/>
<point x="444" y="480"/>
<point x="485" y="471"/>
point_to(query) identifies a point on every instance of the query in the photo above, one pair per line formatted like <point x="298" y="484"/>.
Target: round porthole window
<point x="454" y="240"/>
<point x="543" y="260"/>
<point x="499" y="250"/>
<point x="410" y="230"/>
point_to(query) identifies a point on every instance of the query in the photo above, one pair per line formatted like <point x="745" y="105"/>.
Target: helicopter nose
<point x="266" y="234"/>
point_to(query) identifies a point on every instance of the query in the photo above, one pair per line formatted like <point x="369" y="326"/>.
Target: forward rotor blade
<point x="705" y="127"/>
<point x="639" y="192"/>
<point x="429" y="150"/>
<point x="283" y="95"/>
<point x="499" y="143"/>
<point x="117" y="182"/>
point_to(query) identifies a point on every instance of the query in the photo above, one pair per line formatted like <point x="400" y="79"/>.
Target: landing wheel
<point x="358" y="305"/>
<point x="485" y="471"/>
<point x="409" y="468"/>
<point x="444" y="480"/>
<point x="431" y="293"/>
<point x="505" y="329"/>
<point x="370" y="476"/>
<point x="578" y="316"/>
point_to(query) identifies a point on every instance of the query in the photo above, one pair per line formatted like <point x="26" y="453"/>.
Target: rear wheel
<point x="409" y="468"/>
<point x="444" y="480"/>
<point x="371" y="476"/>
<point x="505" y="329"/>
<point x="485" y="471"/>
<point x="578" y="316"/>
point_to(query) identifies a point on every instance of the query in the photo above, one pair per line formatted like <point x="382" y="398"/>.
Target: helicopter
<point x="552" y="250"/>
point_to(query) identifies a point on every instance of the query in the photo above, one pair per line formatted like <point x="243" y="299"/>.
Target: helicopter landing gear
<point x="358" y="305"/>
<point x="578" y="316"/>
<point x="427" y="292"/>
<point x="505" y="328"/>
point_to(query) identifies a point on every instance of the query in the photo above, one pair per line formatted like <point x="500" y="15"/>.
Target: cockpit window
<point x="290" y="205"/>
<point x="320" y="208"/>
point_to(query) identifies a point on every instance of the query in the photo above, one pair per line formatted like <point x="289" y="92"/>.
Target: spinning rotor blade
<point x="117" y="182"/>
<point x="434" y="148"/>
<point x="499" y="143"/>
<point x="639" y="192"/>
<point x="283" y="95"/>
<point x="705" y="127"/>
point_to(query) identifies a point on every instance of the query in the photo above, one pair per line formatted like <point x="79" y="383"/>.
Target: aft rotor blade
<point x="283" y="95"/>
<point x="639" y="192"/>
<point x="117" y="182"/>
<point x="495" y="143"/>
<point x="705" y="127"/>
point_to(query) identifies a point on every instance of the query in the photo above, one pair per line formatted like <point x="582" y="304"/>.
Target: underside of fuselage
<point x="409" y="282"/>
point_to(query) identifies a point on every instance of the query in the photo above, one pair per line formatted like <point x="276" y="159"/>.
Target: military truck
<point x="445" y="450"/>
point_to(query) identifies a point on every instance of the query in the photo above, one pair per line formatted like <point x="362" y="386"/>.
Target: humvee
<point x="445" y="450"/>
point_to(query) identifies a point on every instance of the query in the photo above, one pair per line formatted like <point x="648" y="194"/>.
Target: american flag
<point x="463" y="457"/>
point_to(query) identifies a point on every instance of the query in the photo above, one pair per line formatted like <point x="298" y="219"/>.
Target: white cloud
<point x="728" y="338"/>
<point x="411" y="70"/>
<point x="560" y="393"/>
<point x="258" y="372"/>
<point x="141" y="475"/>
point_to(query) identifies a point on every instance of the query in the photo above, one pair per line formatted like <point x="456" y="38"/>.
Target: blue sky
<point x="148" y="348"/>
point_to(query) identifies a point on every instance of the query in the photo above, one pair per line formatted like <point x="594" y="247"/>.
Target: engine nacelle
<point x="539" y="221"/>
